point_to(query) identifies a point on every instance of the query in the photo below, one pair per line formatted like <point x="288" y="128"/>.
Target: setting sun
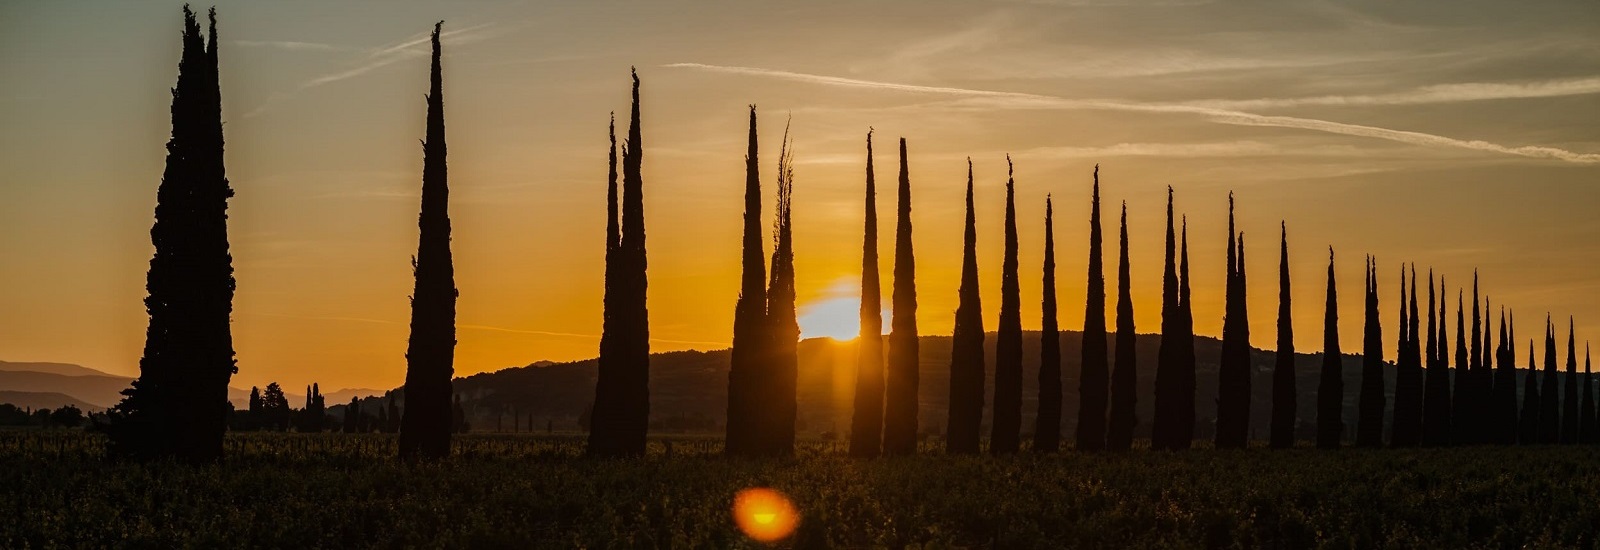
<point x="764" y="514"/>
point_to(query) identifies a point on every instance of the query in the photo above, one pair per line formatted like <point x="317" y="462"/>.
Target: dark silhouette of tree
<point x="1369" y="422"/>
<point x="781" y="381"/>
<point x="255" y="401"/>
<point x="1436" y="399"/>
<point x="867" y="423"/>
<point x="178" y="407"/>
<point x="1233" y="376"/>
<point x="1532" y="403"/>
<point x="352" y="416"/>
<point x="274" y="407"/>
<point x="1469" y="402"/>
<point x="1006" y="433"/>
<point x="1184" y="430"/>
<point x="1569" y="390"/>
<point x="1500" y="386"/>
<point x="1170" y="384"/>
<point x="1093" y="375"/>
<point x="1283" y="390"/>
<point x="966" y="351"/>
<point x="1408" y="387"/>
<point x="1330" y="387"/>
<point x="316" y="410"/>
<point x="1461" y="429"/>
<point x="900" y="413"/>
<point x="622" y="389"/>
<point x="1047" y="427"/>
<point x="1589" y="425"/>
<point x="1124" y="374"/>
<point x="425" y="428"/>
<point x="1549" y="390"/>
<point x="752" y="341"/>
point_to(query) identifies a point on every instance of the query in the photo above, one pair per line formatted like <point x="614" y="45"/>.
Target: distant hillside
<point x="64" y="369"/>
<point x="93" y="389"/>
<point x="43" y="400"/>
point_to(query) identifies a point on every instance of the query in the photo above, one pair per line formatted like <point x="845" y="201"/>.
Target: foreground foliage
<point x="300" y="490"/>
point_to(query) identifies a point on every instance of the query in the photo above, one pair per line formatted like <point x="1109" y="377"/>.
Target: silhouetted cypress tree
<point x="425" y="426"/>
<point x="1408" y="388"/>
<point x="1436" y="399"/>
<point x="178" y="406"/>
<point x="622" y="391"/>
<point x="1093" y="378"/>
<point x="352" y="416"/>
<point x="1169" y="355"/>
<point x="1532" y="403"/>
<point x="1330" y="387"/>
<point x="1184" y="431"/>
<point x="1369" y="423"/>
<point x="1569" y="390"/>
<point x="900" y="425"/>
<point x="867" y="421"/>
<point x="1469" y="402"/>
<point x="781" y="379"/>
<point x="1500" y="384"/>
<point x="1047" y="426"/>
<point x="1462" y="430"/>
<point x="255" y="401"/>
<point x="1283" y="387"/>
<point x="966" y="346"/>
<point x="1006" y="433"/>
<point x="751" y="338"/>
<point x="1588" y="425"/>
<point x="1124" y="374"/>
<point x="1549" y="390"/>
<point x="1233" y="372"/>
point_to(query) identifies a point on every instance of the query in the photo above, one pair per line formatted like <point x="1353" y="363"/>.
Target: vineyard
<point x="304" y="491"/>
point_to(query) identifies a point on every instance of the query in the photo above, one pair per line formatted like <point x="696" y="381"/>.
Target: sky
<point x="1455" y="135"/>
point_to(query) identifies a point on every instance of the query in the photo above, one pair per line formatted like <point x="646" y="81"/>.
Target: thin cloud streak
<point x="1018" y="100"/>
<point x="1443" y="93"/>
<point x="287" y="45"/>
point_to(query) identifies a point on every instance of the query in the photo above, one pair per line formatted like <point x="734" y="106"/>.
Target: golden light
<point x="765" y="515"/>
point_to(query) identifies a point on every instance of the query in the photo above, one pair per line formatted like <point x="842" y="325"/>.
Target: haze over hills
<point x="51" y="385"/>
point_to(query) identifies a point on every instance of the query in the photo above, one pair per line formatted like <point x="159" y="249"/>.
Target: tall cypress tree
<point x="622" y="390"/>
<point x="1093" y="378"/>
<point x="966" y="346"/>
<point x="1233" y="387"/>
<point x="1408" y="390"/>
<point x="1124" y="373"/>
<point x="1436" y="398"/>
<point x="1369" y="423"/>
<point x="1462" y="430"/>
<point x="1477" y="417"/>
<point x="425" y="424"/>
<point x="177" y="408"/>
<point x="1532" y="403"/>
<point x="1569" y="390"/>
<point x="1184" y="430"/>
<point x="900" y="425"/>
<point x="1047" y="427"/>
<point x="1170" y="354"/>
<point x="1502" y="389"/>
<point x="781" y="379"/>
<point x="1588" y="430"/>
<point x="1006" y="431"/>
<point x="1550" y="390"/>
<point x="752" y="341"/>
<point x="1330" y="387"/>
<point x="1283" y="387"/>
<point x="867" y="420"/>
<point x="610" y="333"/>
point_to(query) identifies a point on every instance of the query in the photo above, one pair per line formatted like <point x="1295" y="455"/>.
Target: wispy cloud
<point x="1017" y="100"/>
<point x="287" y="45"/>
<point x="1442" y="93"/>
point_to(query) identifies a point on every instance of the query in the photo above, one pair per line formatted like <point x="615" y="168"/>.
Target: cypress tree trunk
<point x="1587" y="427"/>
<point x="1170" y="354"/>
<point x="1407" y="431"/>
<point x="1549" y="390"/>
<point x="751" y="337"/>
<point x="966" y="351"/>
<point x="1283" y="390"/>
<point x="1125" y="374"/>
<point x="1183" y="432"/>
<point x="1047" y="427"/>
<point x="1461" y="426"/>
<point x="1006" y="434"/>
<point x="778" y="414"/>
<point x="1233" y="372"/>
<point x="900" y="426"/>
<point x="425" y="424"/>
<point x="1330" y="387"/>
<point x="867" y="420"/>
<point x="1093" y="377"/>
<point x="1436" y="399"/>
<point x="1569" y="390"/>
<point x="1369" y="425"/>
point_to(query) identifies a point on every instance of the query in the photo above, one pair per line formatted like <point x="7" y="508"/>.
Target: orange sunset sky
<point x="1458" y="138"/>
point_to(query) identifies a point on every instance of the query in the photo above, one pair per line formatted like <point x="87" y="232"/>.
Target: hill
<point x="45" y="400"/>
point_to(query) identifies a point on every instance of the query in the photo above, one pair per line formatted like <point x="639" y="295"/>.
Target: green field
<point x="303" y="491"/>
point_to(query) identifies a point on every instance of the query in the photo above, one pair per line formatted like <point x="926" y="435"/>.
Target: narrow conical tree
<point x="177" y="408"/>
<point x="1283" y="387"/>
<point x="1330" y="386"/>
<point x="1532" y="403"/>
<point x="1093" y="375"/>
<point x="1501" y="386"/>
<point x="1170" y="354"/>
<point x="1408" y="388"/>
<point x="1477" y="417"/>
<point x="1233" y="371"/>
<point x="751" y="338"/>
<point x="1550" y="390"/>
<point x="425" y="424"/>
<point x="776" y="432"/>
<point x="900" y="420"/>
<point x="868" y="418"/>
<point x="1047" y="427"/>
<point x="1436" y="397"/>
<point x="610" y="333"/>
<point x="1006" y="430"/>
<point x="1461" y="428"/>
<point x="1569" y="390"/>
<point x="1184" y="431"/>
<point x="966" y="346"/>
<point x="1588" y="429"/>
<point x="1124" y="373"/>
<point x="1369" y="423"/>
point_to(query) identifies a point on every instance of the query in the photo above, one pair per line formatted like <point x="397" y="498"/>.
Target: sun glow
<point x="765" y="515"/>
<point x="836" y="313"/>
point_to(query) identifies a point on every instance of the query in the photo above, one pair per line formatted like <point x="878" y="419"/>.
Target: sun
<point x="836" y="313"/>
<point x="764" y="514"/>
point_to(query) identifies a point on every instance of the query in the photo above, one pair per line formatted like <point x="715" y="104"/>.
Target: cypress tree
<point x="1006" y="431"/>
<point x="1528" y="429"/>
<point x="1436" y="398"/>
<point x="1478" y="417"/>
<point x="1569" y="390"/>
<point x="1330" y="387"/>
<point x="1283" y="387"/>
<point x="777" y="416"/>
<point x="1549" y="390"/>
<point x="1588" y="430"/>
<point x="1093" y="378"/>
<point x="1169" y="355"/>
<point x="1502" y="389"/>
<point x="1369" y="423"/>
<point x="1184" y="430"/>
<point x="425" y="425"/>
<point x="1233" y="376"/>
<point x="900" y="426"/>
<point x="1462" y="430"/>
<point x="1407" y="431"/>
<point x="867" y="420"/>
<point x="1047" y="427"/>
<point x="966" y="351"/>
<point x="751" y="338"/>
<point x="1124" y="373"/>
<point x="352" y="416"/>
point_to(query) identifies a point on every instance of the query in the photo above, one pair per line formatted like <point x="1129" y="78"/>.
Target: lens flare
<point x="764" y="514"/>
